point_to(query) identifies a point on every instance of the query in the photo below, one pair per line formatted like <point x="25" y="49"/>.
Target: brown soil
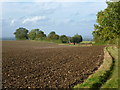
<point x="30" y="64"/>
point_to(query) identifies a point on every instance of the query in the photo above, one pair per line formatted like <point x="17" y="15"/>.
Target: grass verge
<point x="101" y="75"/>
<point x="87" y="42"/>
<point x="113" y="81"/>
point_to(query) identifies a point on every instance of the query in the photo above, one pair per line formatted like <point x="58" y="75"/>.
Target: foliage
<point x="76" y="39"/>
<point x="40" y="35"/>
<point x="36" y="34"/>
<point x="64" y="39"/>
<point x="108" y="28"/>
<point x="21" y="33"/>
<point x="32" y="34"/>
<point x="53" y="36"/>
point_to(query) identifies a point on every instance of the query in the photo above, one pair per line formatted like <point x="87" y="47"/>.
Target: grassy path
<point x="107" y="75"/>
<point x="113" y="80"/>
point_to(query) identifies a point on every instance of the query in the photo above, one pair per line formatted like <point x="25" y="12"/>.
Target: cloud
<point x="12" y="22"/>
<point x="33" y="19"/>
<point x="52" y="0"/>
<point x="42" y="0"/>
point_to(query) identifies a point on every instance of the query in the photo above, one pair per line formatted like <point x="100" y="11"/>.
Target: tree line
<point x="36" y="34"/>
<point x="107" y="29"/>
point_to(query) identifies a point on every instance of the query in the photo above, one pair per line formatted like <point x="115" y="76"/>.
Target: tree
<point x="76" y="39"/>
<point x="64" y="39"/>
<point x="108" y="28"/>
<point x="53" y="36"/>
<point x="32" y="34"/>
<point x="40" y="35"/>
<point x="36" y="34"/>
<point x="21" y="33"/>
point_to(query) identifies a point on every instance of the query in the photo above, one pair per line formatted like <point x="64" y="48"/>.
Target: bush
<point x="76" y="39"/>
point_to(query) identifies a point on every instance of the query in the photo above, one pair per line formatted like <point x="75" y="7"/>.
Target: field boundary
<point x="113" y="81"/>
<point x="101" y="75"/>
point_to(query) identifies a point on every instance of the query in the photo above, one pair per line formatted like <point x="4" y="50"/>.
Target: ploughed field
<point x="31" y="64"/>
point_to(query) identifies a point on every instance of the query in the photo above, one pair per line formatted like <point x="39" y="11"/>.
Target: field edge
<point x="101" y="75"/>
<point x="114" y="80"/>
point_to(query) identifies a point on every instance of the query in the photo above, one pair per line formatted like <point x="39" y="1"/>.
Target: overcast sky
<point x="66" y="18"/>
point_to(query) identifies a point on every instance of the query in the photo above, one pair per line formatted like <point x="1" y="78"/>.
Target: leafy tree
<point x="52" y="33"/>
<point x="53" y="36"/>
<point x="108" y="28"/>
<point x="40" y="35"/>
<point x="32" y="34"/>
<point x="76" y="39"/>
<point x="64" y="39"/>
<point x="21" y="33"/>
<point x="36" y="34"/>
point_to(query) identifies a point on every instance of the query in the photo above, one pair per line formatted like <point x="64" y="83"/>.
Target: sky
<point x="63" y="17"/>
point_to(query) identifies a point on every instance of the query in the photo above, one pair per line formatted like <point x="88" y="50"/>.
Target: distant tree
<point x="21" y="33"/>
<point x="36" y="34"/>
<point x="76" y="39"/>
<point x="40" y="35"/>
<point x="53" y="36"/>
<point x="64" y="39"/>
<point x="32" y="34"/>
<point x="52" y="33"/>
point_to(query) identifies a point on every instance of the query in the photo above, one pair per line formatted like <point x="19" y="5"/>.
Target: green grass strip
<point x="101" y="75"/>
<point x="113" y="80"/>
